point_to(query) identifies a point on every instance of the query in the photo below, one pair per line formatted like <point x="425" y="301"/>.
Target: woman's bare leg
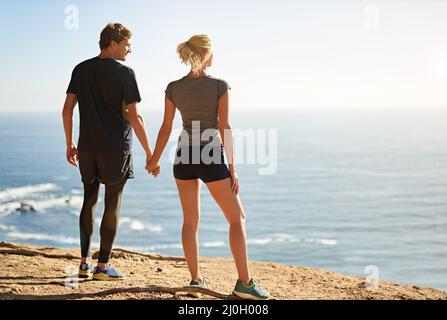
<point x="189" y="192"/>
<point x="234" y="213"/>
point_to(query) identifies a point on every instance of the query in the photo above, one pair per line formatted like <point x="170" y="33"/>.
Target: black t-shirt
<point x="104" y="88"/>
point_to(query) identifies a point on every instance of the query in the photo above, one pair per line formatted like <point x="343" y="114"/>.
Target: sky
<point x="274" y="54"/>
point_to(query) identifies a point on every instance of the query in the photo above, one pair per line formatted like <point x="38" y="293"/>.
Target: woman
<point x="203" y="103"/>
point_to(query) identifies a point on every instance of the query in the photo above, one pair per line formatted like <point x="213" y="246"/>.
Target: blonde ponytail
<point x="194" y="51"/>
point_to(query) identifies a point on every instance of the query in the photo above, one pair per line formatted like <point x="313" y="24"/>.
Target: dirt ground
<point x="31" y="272"/>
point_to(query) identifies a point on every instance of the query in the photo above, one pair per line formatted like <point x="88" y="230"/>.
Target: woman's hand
<point x="234" y="181"/>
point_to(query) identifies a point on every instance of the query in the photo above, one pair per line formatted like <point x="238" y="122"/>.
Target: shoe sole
<point x="85" y="275"/>
<point x="103" y="277"/>
<point x="248" y="296"/>
<point x="197" y="295"/>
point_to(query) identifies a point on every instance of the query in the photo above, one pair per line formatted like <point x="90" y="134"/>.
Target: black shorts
<point x="107" y="169"/>
<point x="206" y="163"/>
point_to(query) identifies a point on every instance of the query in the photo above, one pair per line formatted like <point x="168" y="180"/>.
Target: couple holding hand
<point x="108" y="96"/>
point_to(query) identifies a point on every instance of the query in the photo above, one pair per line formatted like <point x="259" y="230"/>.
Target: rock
<point x="159" y="270"/>
<point x="114" y="255"/>
<point x="26" y="208"/>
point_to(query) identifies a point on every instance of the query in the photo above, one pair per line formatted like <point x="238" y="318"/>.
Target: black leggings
<point x="109" y="223"/>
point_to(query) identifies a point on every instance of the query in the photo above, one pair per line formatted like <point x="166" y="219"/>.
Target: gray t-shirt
<point x="197" y="99"/>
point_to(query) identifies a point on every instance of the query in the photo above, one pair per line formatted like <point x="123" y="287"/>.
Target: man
<point x="108" y="97"/>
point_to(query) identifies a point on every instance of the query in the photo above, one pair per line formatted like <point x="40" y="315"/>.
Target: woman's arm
<point x="163" y="134"/>
<point x="227" y="138"/>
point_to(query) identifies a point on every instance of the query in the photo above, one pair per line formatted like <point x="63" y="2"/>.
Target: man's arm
<point x="137" y="122"/>
<point x="67" y="116"/>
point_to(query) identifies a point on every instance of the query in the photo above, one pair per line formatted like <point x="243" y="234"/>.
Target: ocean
<point x="346" y="190"/>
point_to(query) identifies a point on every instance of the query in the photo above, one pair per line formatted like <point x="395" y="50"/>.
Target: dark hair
<point x="113" y="32"/>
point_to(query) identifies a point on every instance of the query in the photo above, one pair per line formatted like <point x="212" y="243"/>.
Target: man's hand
<point x="72" y="155"/>
<point x="67" y="115"/>
<point x="152" y="168"/>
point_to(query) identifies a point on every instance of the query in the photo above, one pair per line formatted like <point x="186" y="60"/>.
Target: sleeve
<point x="222" y="88"/>
<point x="72" y="85"/>
<point x="168" y="92"/>
<point x="130" y="91"/>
